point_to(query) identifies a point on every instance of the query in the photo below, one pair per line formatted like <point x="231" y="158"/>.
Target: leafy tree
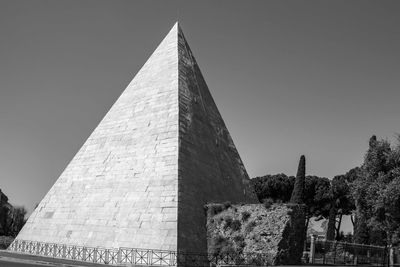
<point x="350" y="178"/>
<point x="342" y="200"/>
<point x="299" y="184"/>
<point x="376" y="158"/>
<point x="17" y="220"/>
<point x="330" y="232"/>
<point x="317" y="197"/>
<point x="277" y="187"/>
<point x="376" y="194"/>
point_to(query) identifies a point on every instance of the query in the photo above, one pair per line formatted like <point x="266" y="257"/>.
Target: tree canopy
<point x="369" y="193"/>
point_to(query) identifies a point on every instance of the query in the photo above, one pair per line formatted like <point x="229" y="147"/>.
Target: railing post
<point x="312" y="249"/>
<point x="119" y="257"/>
<point x="334" y="252"/>
<point x="391" y="256"/>
<point x="355" y="260"/>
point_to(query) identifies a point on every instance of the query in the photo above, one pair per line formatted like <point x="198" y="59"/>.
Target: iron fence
<point x="132" y="256"/>
<point x="342" y="253"/>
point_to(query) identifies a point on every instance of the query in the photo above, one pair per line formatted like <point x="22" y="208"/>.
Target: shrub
<point x="228" y="250"/>
<point x="228" y="222"/>
<point x="214" y="209"/>
<point x="250" y="226"/>
<point x="5" y="241"/>
<point x="227" y="204"/>
<point x="217" y="244"/>
<point x="268" y="202"/>
<point x="235" y="225"/>
<point x="239" y="240"/>
<point x="258" y="260"/>
<point x="245" y="215"/>
<point x="241" y="244"/>
<point x="220" y="239"/>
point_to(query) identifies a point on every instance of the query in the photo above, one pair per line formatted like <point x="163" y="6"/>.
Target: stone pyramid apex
<point x="143" y="176"/>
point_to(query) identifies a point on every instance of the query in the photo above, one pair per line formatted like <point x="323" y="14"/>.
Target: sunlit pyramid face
<point x="142" y="177"/>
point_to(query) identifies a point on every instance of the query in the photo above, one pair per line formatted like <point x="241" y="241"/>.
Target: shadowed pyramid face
<point x="142" y="177"/>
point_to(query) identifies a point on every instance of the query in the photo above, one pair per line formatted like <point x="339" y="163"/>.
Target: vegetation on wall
<point x="256" y="234"/>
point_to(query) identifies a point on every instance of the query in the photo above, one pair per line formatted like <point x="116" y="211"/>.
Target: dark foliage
<point x="279" y="187"/>
<point x="236" y="224"/>
<point x="298" y="190"/>
<point x="12" y="219"/>
<point x="227" y="204"/>
<point x="228" y="222"/>
<point x="245" y="215"/>
<point x="214" y="209"/>
<point x="268" y="203"/>
<point x="376" y="192"/>
<point x="250" y="226"/>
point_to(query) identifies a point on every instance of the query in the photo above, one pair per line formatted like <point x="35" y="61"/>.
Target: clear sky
<point x="289" y="77"/>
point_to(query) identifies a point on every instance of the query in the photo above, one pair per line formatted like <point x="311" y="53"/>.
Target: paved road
<point x="10" y="259"/>
<point x="12" y="262"/>
<point x="4" y="263"/>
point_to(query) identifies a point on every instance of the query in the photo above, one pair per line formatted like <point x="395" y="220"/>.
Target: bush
<point x="5" y="241"/>
<point x="268" y="202"/>
<point x="217" y="244"/>
<point x="239" y="240"/>
<point x="245" y="215"/>
<point x="228" y="250"/>
<point x="220" y="239"/>
<point x="235" y="225"/>
<point x="228" y="222"/>
<point x="214" y="209"/>
<point x="250" y="226"/>
<point x="227" y="204"/>
<point x="258" y="260"/>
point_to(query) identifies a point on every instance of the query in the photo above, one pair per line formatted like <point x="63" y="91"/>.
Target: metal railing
<point x="342" y="253"/>
<point x="132" y="256"/>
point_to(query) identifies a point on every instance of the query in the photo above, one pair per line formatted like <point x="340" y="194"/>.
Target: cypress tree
<point x="298" y="190"/>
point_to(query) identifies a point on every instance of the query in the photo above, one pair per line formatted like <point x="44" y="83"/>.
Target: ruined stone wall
<point x="210" y="168"/>
<point x="275" y="233"/>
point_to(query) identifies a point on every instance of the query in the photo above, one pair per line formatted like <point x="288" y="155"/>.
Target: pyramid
<point x="143" y="176"/>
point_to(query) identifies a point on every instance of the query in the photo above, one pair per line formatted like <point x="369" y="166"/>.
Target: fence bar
<point x="343" y="253"/>
<point x="312" y="249"/>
